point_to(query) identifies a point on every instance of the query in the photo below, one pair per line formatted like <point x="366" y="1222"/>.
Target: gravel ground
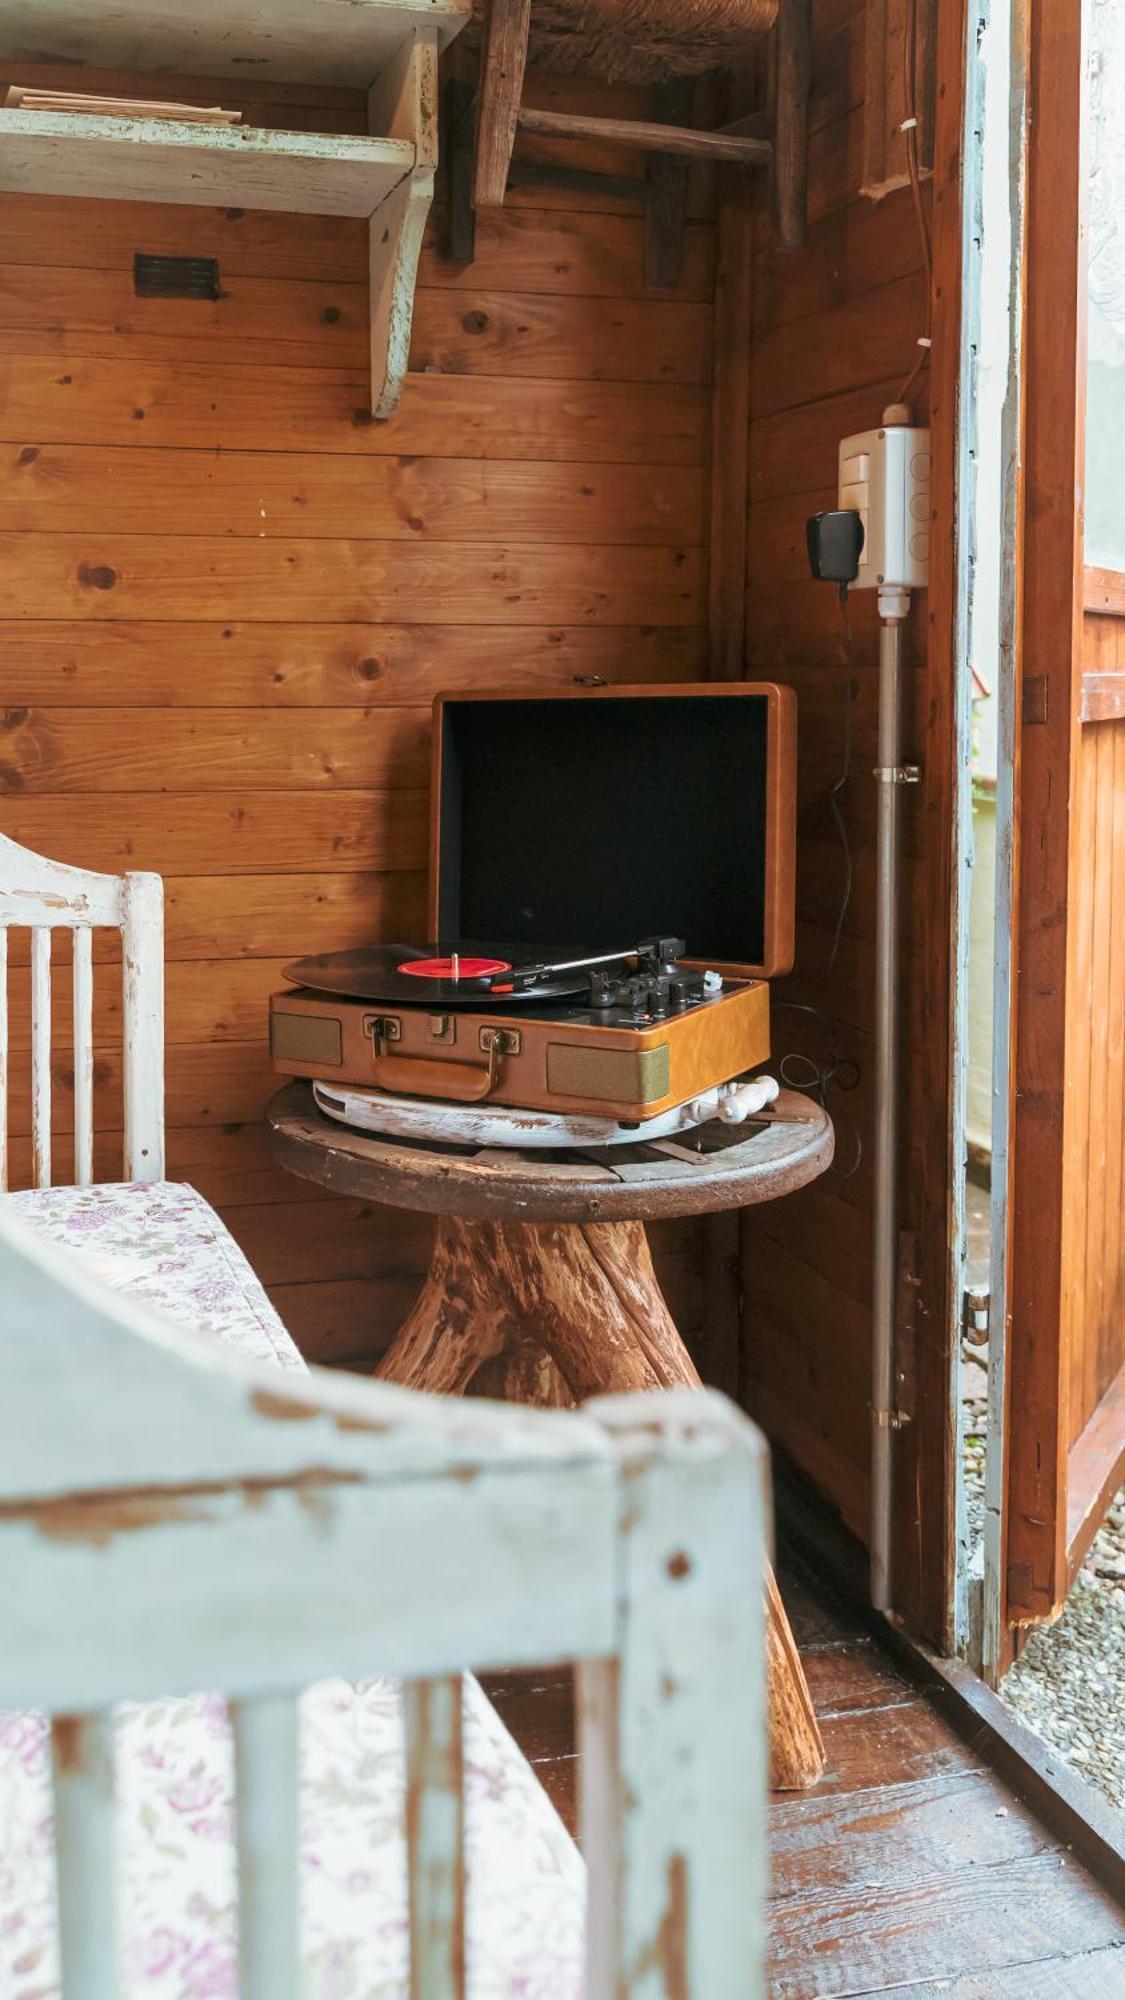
<point x="1069" y="1682"/>
<point x="974" y="1402"/>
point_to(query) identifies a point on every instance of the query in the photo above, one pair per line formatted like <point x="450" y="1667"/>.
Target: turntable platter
<point x="436" y="975"/>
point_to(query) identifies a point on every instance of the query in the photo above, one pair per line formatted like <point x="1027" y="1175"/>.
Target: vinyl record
<point x="422" y="976"/>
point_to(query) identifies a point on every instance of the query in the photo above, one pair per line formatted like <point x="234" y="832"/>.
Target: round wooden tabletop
<point x="714" y="1167"/>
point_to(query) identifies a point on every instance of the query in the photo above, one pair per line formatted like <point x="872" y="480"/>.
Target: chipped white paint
<point x="403" y="102"/>
<point x="670" y="1727"/>
<point x="43" y="896"/>
<point x="346" y="42"/>
<point x="390" y="1112"/>
<point x="162" y="159"/>
<point x="629" y="1535"/>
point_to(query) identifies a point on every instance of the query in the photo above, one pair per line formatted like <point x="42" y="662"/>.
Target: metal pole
<point x="889" y="776"/>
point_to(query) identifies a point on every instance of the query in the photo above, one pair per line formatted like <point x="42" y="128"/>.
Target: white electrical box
<point x="885" y="476"/>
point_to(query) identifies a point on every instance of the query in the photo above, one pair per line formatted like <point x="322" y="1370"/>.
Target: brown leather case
<point x="522" y="1058"/>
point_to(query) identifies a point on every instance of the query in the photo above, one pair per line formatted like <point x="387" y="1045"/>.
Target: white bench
<point x="184" y="1507"/>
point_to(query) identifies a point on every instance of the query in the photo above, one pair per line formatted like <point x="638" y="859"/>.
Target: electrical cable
<point x="815" y="1079"/>
<point x="841" y="783"/>
<point x="909" y="129"/>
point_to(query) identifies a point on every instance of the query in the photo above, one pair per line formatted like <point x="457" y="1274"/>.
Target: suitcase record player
<point x="576" y="817"/>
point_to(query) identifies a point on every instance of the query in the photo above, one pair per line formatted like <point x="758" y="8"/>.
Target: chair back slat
<point x="85" y="1855"/>
<point x="83" y="1009"/>
<point x="435" y="1837"/>
<point x="142" y="972"/>
<point x="41" y="1056"/>
<point x="44" y="896"/>
<point x="266" y="1762"/>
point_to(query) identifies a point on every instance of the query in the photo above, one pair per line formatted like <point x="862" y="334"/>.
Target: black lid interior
<point x="606" y="820"/>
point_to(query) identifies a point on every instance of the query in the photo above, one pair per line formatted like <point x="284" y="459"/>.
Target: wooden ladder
<point x="775" y="139"/>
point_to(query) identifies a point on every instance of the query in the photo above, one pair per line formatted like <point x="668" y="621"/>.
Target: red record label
<point x="449" y="968"/>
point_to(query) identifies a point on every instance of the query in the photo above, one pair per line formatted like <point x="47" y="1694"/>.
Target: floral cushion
<point x="161" y="1242"/>
<point x="174" y="1766"/>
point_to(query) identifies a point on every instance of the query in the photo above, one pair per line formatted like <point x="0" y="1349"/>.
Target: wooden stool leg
<point x="555" y="1313"/>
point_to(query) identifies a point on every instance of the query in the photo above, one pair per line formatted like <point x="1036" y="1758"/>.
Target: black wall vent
<point x="175" y="277"/>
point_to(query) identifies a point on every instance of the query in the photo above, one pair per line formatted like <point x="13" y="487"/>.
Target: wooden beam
<point x="730" y="431"/>
<point x="733" y="148"/>
<point x="503" y="61"/>
<point x="923" y="1528"/>
<point x="791" y="121"/>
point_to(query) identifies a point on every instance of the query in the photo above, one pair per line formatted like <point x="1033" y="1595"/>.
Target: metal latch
<point x="501" y="1041"/>
<point x="975" y="1314"/>
<point x="382" y="1028"/>
<point x="898" y="774"/>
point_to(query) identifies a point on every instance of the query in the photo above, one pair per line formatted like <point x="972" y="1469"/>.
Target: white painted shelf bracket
<point x="401" y="104"/>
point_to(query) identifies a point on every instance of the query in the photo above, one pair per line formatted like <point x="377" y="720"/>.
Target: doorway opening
<point x="1041" y="1377"/>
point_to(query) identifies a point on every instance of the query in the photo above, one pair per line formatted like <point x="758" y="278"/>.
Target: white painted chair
<point x="42" y="897"/>
<point x="175" y="1517"/>
<point x="181" y="1512"/>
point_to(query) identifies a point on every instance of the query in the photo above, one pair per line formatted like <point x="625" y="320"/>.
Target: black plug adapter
<point x="835" y="544"/>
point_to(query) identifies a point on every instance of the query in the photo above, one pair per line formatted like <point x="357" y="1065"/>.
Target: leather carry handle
<point x="423" y="1076"/>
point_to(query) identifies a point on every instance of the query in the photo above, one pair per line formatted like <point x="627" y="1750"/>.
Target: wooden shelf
<point x="346" y="42"/>
<point x="156" y="159"/>
<point x="389" y="48"/>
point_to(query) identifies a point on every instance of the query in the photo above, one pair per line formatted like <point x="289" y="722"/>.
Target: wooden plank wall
<point x="227" y="598"/>
<point x="835" y="331"/>
<point x="1095" y="1319"/>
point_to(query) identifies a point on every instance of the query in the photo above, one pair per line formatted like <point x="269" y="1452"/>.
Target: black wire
<point x="800" y="1072"/>
<point x="842" y="782"/>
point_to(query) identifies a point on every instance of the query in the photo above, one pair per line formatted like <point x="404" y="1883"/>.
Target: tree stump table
<point x="541" y="1287"/>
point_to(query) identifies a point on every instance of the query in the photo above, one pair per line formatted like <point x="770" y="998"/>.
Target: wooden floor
<point x="911" y="1868"/>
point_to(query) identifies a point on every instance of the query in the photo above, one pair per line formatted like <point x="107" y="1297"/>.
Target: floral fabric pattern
<point x="175" y="1776"/>
<point x="160" y="1242"/>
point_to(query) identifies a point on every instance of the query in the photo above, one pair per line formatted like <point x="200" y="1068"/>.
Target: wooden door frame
<point x="925" y="1540"/>
<point x="1026" y="1545"/>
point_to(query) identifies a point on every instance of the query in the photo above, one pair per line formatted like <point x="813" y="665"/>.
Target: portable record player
<point x="576" y="817"/>
<point x="627" y="1035"/>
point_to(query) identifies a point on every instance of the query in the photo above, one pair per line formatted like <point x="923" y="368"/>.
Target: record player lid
<point x="617" y="813"/>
